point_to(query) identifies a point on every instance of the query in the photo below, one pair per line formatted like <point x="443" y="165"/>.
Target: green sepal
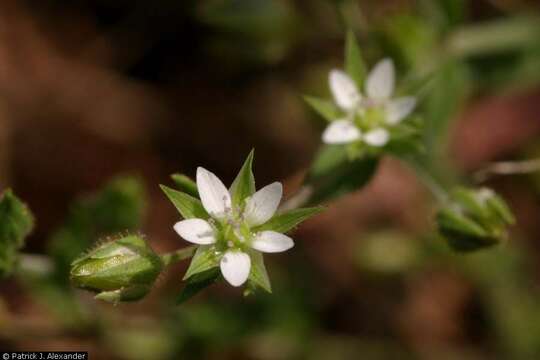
<point x="205" y="258"/>
<point x="128" y="294"/>
<point x="326" y="108"/>
<point x="499" y="206"/>
<point x="354" y="64"/>
<point x="287" y="221"/>
<point x="197" y="283"/>
<point x="452" y="221"/>
<point x="244" y="184"/>
<point x="185" y="184"/>
<point x="258" y="274"/>
<point x="16" y="222"/>
<point x="188" y="206"/>
<point x="472" y="202"/>
<point x="334" y="173"/>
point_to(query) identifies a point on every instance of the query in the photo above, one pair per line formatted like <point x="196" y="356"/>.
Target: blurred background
<point x="101" y="101"/>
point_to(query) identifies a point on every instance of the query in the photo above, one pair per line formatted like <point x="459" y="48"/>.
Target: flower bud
<point x="121" y="270"/>
<point x="474" y="218"/>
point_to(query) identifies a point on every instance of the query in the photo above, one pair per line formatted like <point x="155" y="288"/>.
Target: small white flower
<point x="379" y="89"/>
<point x="235" y="263"/>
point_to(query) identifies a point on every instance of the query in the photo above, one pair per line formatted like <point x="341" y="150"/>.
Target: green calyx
<point x="474" y="219"/>
<point x="120" y="270"/>
<point x="370" y="118"/>
<point x="233" y="232"/>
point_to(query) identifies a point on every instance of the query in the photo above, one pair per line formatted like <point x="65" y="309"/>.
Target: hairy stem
<point x="178" y="255"/>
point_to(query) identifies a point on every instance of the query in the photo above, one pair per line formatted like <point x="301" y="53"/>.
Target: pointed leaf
<point x="287" y="221"/>
<point x="204" y="259"/>
<point x="185" y="184"/>
<point x="258" y="274"/>
<point x="326" y="108"/>
<point x="188" y="206"/>
<point x="354" y="65"/>
<point x="197" y="283"/>
<point x="244" y="184"/>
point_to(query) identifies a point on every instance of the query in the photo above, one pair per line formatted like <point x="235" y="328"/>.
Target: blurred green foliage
<point x="16" y="222"/>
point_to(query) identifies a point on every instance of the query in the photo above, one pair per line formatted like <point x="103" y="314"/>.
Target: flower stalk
<point x="174" y="257"/>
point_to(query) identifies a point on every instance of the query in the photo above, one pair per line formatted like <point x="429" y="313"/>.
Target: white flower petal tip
<point x="341" y="132"/>
<point x="343" y="89"/>
<point x="377" y="137"/>
<point x="235" y="267"/>
<point x="196" y="231"/>
<point x="271" y="242"/>
<point x="214" y="195"/>
<point x="262" y="205"/>
<point x="380" y="81"/>
<point x="399" y="109"/>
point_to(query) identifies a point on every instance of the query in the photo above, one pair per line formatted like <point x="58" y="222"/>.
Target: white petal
<point x="377" y="137"/>
<point x="343" y="89"/>
<point x="380" y="82"/>
<point x="262" y="205"/>
<point x="196" y="231"/>
<point x="214" y="195"/>
<point x="341" y="132"/>
<point x="399" y="109"/>
<point x="235" y="267"/>
<point x="271" y="242"/>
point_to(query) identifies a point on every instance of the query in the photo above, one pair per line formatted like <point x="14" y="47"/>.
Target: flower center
<point x="234" y="230"/>
<point x="370" y="117"/>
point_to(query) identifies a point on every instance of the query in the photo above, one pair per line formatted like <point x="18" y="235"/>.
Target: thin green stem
<point x="178" y="255"/>
<point x="428" y="178"/>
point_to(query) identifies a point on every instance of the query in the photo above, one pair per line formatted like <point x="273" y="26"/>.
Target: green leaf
<point x="258" y="274"/>
<point x="204" y="259"/>
<point x="326" y="108"/>
<point x="185" y="184"/>
<point x="197" y="283"/>
<point x="354" y="65"/>
<point x="244" y="184"/>
<point x="16" y="222"/>
<point x="288" y="220"/>
<point x="333" y="174"/>
<point x="188" y="206"/>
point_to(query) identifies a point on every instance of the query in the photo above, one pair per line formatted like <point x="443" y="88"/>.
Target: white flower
<point x="230" y="228"/>
<point x="376" y="111"/>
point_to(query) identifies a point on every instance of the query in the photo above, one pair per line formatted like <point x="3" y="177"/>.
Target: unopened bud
<point x="124" y="269"/>
<point x="474" y="218"/>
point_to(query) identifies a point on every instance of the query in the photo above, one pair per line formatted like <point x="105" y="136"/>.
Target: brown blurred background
<point x="91" y="89"/>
